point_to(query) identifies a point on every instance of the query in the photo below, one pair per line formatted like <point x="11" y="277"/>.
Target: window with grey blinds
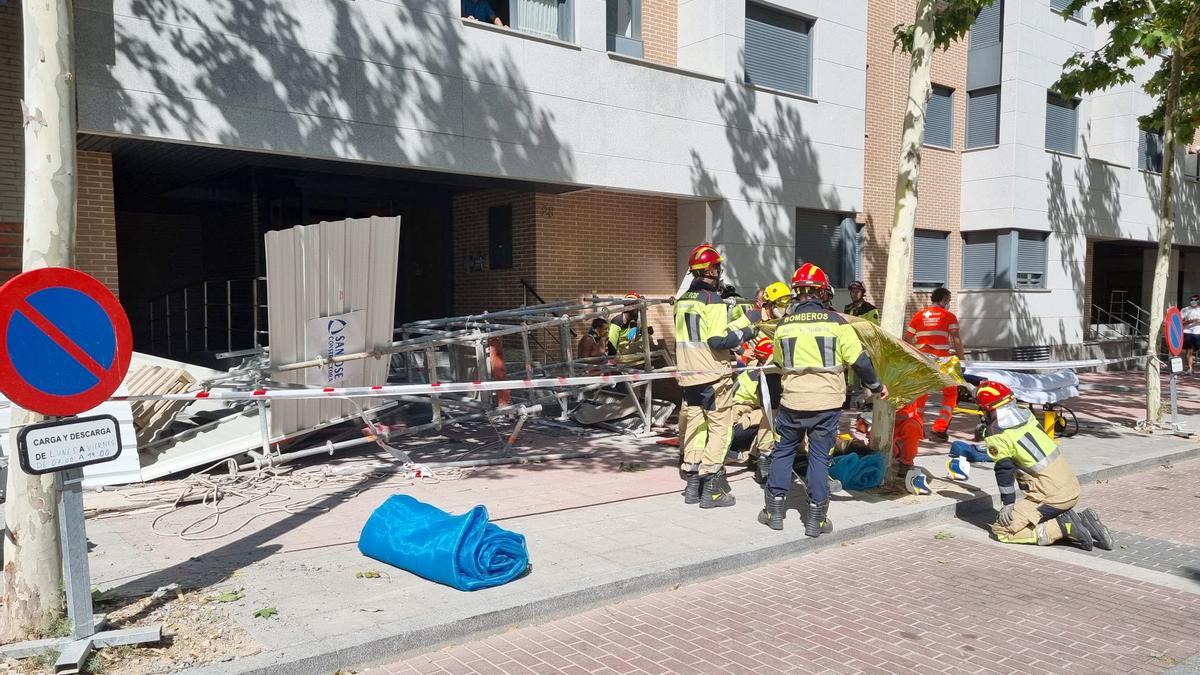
<point x="930" y="260"/>
<point x="1031" y="260"/>
<point x="979" y="260"/>
<point x="1061" y="6"/>
<point x="778" y="50"/>
<point x="986" y="30"/>
<point x="1150" y="150"/>
<point x="983" y="118"/>
<point x="831" y="241"/>
<point x="1062" y="123"/>
<point x="939" y="118"/>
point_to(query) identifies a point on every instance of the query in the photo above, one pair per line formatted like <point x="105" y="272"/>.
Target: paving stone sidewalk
<point x="598" y="529"/>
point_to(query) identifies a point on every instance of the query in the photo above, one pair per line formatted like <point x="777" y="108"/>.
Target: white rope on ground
<point x="266" y="489"/>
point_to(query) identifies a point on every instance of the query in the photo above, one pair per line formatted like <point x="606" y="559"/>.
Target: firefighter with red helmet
<point x="1025" y="456"/>
<point x="704" y="340"/>
<point x="751" y="436"/>
<point x="814" y="346"/>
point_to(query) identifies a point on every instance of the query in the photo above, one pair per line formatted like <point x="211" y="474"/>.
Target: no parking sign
<point x="1173" y="331"/>
<point x="65" y="344"/>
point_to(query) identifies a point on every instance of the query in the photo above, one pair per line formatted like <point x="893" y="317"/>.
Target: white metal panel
<point x="325" y="270"/>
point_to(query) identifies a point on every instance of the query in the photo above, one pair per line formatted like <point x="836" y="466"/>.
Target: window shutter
<point x="1150" y="151"/>
<point x="847" y="252"/>
<point x="1061" y="124"/>
<point x="1059" y="5"/>
<point x="1031" y="260"/>
<point x="929" y="258"/>
<point x="860" y="246"/>
<point x="818" y="241"/>
<point x="986" y="30"/>
<point x="778" y="50"/>
<point x="939" y="118"/>
<point x="979" y="260"/>
<point x="983" y="118"/>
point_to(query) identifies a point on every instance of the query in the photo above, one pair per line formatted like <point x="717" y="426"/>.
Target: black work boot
<point x="1100" y="533"/>
<point x="815" y="521"/>
<point x="774" y="511"/>
<point x="763" y="469"/>
<point x="1075" y="530"/>
<point x="691" y="491"/>
<point x="715" y="491"/>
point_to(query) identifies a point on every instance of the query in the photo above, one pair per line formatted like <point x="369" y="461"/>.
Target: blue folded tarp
<point x="465" y="552"/>
<point x="858" y="472"/>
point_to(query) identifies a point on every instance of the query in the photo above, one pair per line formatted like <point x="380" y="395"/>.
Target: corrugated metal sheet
<point x="329" y="270"/>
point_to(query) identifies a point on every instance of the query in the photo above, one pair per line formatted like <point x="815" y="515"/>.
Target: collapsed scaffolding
<point x="537" y="341"/>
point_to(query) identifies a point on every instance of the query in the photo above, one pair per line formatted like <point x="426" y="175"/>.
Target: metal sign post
<point x="65" y="348"/>
<point x="1173" y="332"/>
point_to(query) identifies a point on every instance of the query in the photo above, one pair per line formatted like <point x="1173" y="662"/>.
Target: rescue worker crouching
<point x="814" y="346"/>
<point x="752" y="438"/>
<point x="704" y="340"/>
<point x="1025" y="455"/>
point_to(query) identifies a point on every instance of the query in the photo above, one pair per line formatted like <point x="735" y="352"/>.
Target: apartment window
<point x="778" y="50"/>
<point x="1031" y="260"/>
<point x="983" y="117"/>
<point x="979" y="260"/>
<point x="831" y="241"/>
<point x="930" y="259"/>
<point x="1060" y="6"/>
<point x="500" y="237"/>
<point x="625" y="27"/>
<point x="1062" y="123"/>
<point x="548" y="18"/>
<point x="988" y="28"/>
<point x="939" y="118"/>
<point x="1150" y="151"/>
<point x="1004" y="259"/>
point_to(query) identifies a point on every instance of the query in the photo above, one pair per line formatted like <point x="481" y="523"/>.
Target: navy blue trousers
<point x="793" y="426"/>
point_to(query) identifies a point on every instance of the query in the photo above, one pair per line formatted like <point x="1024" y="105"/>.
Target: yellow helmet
<point x="778" y="293"/>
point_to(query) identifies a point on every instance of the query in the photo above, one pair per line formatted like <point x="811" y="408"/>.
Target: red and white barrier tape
<point x="439" y="388"/>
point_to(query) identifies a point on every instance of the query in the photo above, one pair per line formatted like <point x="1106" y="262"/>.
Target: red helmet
<point x="810" y="276"/>
<point x="703" y="257"/>
<point x="991" y="394"/>
<point x="633" y="295"/>
<point x="764" y="348"/>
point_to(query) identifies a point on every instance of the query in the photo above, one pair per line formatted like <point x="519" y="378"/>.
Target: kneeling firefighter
<point x="814" y="346"/>
<point x="704" y="340"/>
<point x="1025" y="455"/>
<point x="752" y="437"/>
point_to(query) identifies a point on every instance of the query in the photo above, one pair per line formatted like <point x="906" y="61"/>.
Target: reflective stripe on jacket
<point x="704" y="335"/>
<point x="1043" y="471"/>
<point x="815" y="346"/>
<point x="930" y="330"/>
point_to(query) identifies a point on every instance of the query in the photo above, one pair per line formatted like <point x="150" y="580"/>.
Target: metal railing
<point x="1119" y="326"/>
<point x="548" y="343"/>
<point x="204" y="316"/>
<point x="1125" y="311"/>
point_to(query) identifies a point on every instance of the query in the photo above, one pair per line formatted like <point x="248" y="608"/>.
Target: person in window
<point x="480" y="10"/>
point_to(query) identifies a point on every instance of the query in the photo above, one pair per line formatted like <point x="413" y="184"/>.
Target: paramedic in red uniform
<point x="934" y="330"/>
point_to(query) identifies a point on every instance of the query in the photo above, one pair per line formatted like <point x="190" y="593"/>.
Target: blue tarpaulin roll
<point x="858" y="472"/>
<point x="465" y="552"/>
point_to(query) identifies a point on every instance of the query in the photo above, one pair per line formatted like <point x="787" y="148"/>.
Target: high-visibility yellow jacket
<point x="745" y="388"/>
<point x="864" y="310"/>
<point x="704" y="335"/>
<point x="1024" y="454"/>
<point x="815" y="347"/>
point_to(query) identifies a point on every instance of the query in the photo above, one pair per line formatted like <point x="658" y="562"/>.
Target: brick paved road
<point x="906" y="601"/>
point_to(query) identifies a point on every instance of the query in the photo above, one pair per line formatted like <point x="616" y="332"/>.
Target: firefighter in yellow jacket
<point x="752" y="436"/>
<point x="1025" y="455"/>
<point x="815" y="347"/>
<point x="704" y="340"/>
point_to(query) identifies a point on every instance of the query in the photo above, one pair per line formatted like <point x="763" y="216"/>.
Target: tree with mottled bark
<point x="33" y="560"/>
<point x="1165" y="34"/>
<point x="938" y="24"/>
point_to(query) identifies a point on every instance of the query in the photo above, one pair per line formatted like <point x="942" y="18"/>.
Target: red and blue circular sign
<point x="65" y="343"/>
<point x="1173" y="331"/>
